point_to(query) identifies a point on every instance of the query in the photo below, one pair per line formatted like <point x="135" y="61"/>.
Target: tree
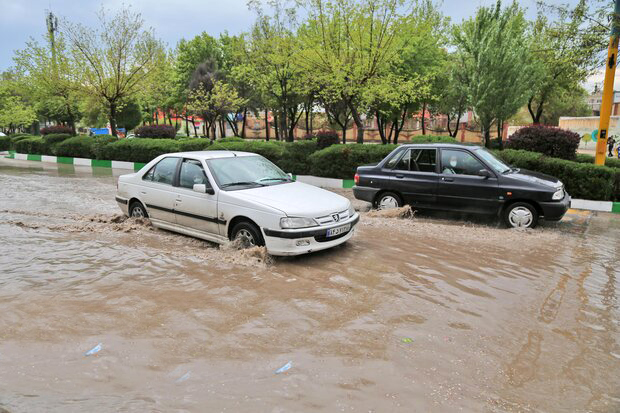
<point x="348" y="42"/>
<point x="213" y="103"/>
<point x="565" y="50"/>
<point x="114" y="61"/>
<point x="492" y="53"/>
<point x="15" y="111"/>
<point x="572" y="102"/>
<point x="453" y="100"/>
<point x="51" y="77"/>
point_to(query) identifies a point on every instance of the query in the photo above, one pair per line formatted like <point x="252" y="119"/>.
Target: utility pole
<point x="52" y="28"/>
<point x="608" y="88"/>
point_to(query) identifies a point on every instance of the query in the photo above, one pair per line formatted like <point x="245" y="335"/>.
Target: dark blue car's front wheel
<point x="520" y="215"/>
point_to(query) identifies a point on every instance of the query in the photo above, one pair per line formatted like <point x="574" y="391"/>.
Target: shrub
<point x="309" y="136"/>
<point x="5" y="143"/>
<point x="551" y="141"/>
<point x="231" y="139"/>
<point x="585" y="158"/>
<point x="48" y="130"/>
<point x="99" y="141"/>
<point x="77" y="147"/>
<point x="156" y="132"/>
<point x="584" y="181"/>
<point x="54" y="138"/>
<point x="33" y="145"/>
<point x="195" y="144"/>
<point x="296" y="157"/>
<point x="18" y="137"/>
<point x="340" y="161"/>
<point x="270" y="150"/>
<point x="138" y="150"/>
<point x="327" y="138"/>
<point x="432" y="139"/>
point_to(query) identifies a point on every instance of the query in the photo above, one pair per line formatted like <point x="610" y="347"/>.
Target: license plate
<point x="332" y="232"/>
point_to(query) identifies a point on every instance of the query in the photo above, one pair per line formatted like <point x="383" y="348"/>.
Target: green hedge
<point x="32" y="145"/>
<point x="54" y="138"/>
<point x="270" y="150"/>
<point x="194" y="144"/>
<point x="585" y="158"/>
<point x="138" y="150"/>
<point x="77" y="147"/>
<point x="340" y="161"/>
<point x="432" y="139"/>
<point x="583" y="181"/>
<point x="5" y="143"/>
<point x="19" y="137"/>
<point x="296" y="157"/>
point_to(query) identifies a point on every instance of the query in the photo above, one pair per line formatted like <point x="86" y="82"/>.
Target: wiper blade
<point x="242" y="183"/>
<point x="275" y="179"/>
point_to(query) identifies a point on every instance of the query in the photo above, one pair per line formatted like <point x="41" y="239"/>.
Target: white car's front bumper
<point x="302" y="241"/>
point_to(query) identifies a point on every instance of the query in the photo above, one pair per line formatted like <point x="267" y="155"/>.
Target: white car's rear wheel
<point x="247" y="234"/>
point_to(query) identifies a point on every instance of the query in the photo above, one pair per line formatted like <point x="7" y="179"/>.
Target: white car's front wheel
<point x="137" y="210"/>
<point x="247" y="234"/>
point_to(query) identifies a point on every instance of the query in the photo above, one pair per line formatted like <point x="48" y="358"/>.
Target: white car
<point x="223" y="195"/>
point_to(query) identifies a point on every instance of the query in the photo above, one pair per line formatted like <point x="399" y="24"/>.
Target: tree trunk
<point x="156" y="116"/>
<point x="380" y="127"/>
<point x="222" y="128"/>
<point x="424" y="118"/>
<point x="267" y="131"/>
<point x="276" y="126"/>
<point x="245" y="115"/>
<point x="358" y="122"/>
<point x="186" y="126"/>
<point x="500" y="126"/>
<point x="194" y="127"/>
<point x="113" y="119"/>
<point x="487" y="137"/>
<point x="307" y="124"/>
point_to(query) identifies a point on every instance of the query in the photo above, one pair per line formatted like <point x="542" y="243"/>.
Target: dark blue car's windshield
<point x="497" y="165"/>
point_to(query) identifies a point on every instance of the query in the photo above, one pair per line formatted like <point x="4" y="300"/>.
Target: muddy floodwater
<point x="423" y="314"/>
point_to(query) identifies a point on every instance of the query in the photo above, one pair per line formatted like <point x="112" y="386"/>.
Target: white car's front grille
<point x="333" y="218"/>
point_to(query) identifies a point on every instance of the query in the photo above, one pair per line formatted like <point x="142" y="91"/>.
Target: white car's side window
<point x="191" y="174"/>
<point x="163" y="171"/>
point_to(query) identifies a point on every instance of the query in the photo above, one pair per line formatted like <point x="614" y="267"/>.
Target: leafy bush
<point x="270" y="150"/>
<point x="340" y="161"/>
<point x="585" y="158"/>
<point x="54" y="138"/>
<point x="77" y="147"/>
<point x="99" y="141"/>
<point x="156" y="132"/>
<point x="327" y="138"/>
<point x="5" y="143"/>
<point x="432" y="139"/>
<point x="138" y="150"/>
<point x="231" y="139"/>
<point x="194" y="144"/>
<point x="583" y="181"/>
<point x="32" y="145"/>
<point x="56" y="129"/>
<point x="296" y="157"/>
<point x="18" y="137"/>
<point x="551" y="141"/>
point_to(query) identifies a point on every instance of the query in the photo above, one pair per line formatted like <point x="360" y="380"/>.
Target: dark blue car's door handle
<point x="443" y="178"/>
<point x="400" y="175"/>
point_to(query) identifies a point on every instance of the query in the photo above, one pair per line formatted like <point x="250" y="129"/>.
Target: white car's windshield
<point x="499" y="166"/>
<point x="239" y="172"/>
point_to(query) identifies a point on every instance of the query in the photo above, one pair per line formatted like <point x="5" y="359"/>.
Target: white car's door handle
<point x="143" y="192"/>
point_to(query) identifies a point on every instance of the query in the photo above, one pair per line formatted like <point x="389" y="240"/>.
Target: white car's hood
<point x="295" y="199"/>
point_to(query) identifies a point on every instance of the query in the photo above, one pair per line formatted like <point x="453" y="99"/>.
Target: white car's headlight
<point x="559" y="194"/>
<point x="351" y="210"/>
<point x="294" y="222"/>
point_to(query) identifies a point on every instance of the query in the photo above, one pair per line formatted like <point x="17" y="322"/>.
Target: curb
<point x="602" y="206"/>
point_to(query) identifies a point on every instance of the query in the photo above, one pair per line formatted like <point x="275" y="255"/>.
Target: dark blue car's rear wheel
<point x="388" y="200"/>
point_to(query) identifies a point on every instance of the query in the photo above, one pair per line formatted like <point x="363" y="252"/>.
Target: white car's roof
<point x="210" y="154"/>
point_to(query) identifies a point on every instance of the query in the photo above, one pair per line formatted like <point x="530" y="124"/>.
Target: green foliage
<point x="138" y="150"/>
<point x="230" y="139"/>
<point x="33" y="145"/>
<point x="5" y="143"/>
<point x="583" y="181"/>
<point x="551" y="141"/>
<point x="585" y="158"/>
<point x="296" y="157"/>
<point x="196" y="144"/>
<point x="54" y="138"/>
<point x="129" y="116"/>
<point x="77" y="147"/>
<point x="156" y="132"/>
<point x="57" y="129"/>
<point x="270" y="150"/>
<point x="432" y="139"/>
<point x="20" y="136"/>
<point x="326" y="138"/>
<point x="99" y="141"/>
<point x="341" y="161"/>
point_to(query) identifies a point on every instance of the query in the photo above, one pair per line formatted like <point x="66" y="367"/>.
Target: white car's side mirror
<point x="203" y="189"/>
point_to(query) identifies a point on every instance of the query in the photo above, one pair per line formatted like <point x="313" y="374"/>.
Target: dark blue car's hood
<point x="538" y="178"/>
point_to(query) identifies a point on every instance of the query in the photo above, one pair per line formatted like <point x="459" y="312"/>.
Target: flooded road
<point x="422" y="314"/>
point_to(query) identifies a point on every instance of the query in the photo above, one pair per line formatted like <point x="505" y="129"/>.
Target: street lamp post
<point x="608" y="88"/>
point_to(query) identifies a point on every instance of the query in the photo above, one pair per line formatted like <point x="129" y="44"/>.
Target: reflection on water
<point x="436" y="314"/>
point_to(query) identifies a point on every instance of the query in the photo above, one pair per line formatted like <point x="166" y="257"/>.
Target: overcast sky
<point x="172" y="20"/>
